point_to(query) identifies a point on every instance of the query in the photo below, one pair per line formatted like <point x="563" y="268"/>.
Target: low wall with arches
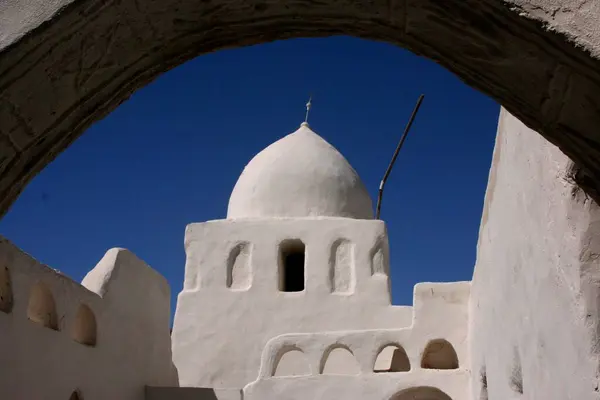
<point x="105" y="339"/>
<point x="380" y="363"/>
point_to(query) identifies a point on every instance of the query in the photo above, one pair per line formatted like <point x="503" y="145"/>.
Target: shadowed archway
<point x="65" y="65"/>
<point x="421" y="393"/>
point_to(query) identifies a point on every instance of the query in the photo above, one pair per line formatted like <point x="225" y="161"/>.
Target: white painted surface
<point x="446" y="304"/>
<point x="535" y="288"/>
<point x="130" y="306"/>
<point x="300" y="175"/>
<point x="342" y="318"/>
<point x="219" y="333"/>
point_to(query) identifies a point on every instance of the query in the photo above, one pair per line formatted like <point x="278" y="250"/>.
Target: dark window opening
<point x="291" y="266"/>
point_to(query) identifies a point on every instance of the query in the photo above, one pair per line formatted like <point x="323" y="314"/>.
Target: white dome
<point x="300" y="175"/>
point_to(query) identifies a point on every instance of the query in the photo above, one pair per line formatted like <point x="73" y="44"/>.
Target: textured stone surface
<point x="534" y="305"/>
<point x="66" y="64"/>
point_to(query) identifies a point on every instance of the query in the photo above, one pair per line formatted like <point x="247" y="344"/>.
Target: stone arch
<point x="42" y="308"/>
<point x="62" y="71"/>
<point x="439" y="354"/>
<point x="391" y="358"/>
<point x="6" y="294"/>
<point x="421" y="393"/>
<point x="84" y="329"/>
<point x="339" y="360"/>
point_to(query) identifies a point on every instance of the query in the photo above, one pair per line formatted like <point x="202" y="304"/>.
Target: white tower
<point x="299" y="252"/>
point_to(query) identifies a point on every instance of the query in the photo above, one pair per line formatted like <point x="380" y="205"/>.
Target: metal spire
<point x="308" y="105"/>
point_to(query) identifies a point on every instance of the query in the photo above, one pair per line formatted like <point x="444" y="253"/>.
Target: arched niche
<point x="76" y="395"/>
<point x="341" y="267"/>
<point x="50" y="101"/>
<point x="290" y="361"/>
<point x="239" y="267"/>
<point x="41" y="308"/>
<point x="339" y="360"/>
<point x="6" y="294"/>
<point x="392" y="358"/>
<point x="421" y="393"/>
<point x="84" y="328"/>
<point x="439" y="354"/>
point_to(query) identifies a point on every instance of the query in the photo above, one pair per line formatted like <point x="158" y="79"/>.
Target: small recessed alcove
<point x="84" y="329"/>
<point x="76" y="395"/>
<point x="292" y="259"/>
<point x="42" y="308"/>
<point x="6" y="295"/>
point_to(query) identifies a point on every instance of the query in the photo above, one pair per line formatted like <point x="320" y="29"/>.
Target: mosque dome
<point x="300" y="175"/>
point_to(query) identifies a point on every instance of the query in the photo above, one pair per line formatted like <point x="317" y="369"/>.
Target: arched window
<point x="6" y="295"/>
<point x="292" y="257"/>
<point x="291" y="361"/>
<point x="439" y="354"/>
<point x="392" y="358"/>
<point x="84" y="327"/>
<point x="339" y="360"/>
<point x="42" y="308"/>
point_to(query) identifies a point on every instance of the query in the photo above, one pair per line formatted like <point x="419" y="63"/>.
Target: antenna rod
<point x="400" y="144"/>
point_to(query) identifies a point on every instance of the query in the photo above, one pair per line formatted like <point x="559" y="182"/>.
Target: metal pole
<point x="389" y="168"/>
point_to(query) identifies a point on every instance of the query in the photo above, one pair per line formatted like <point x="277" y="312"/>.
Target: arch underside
<point x="86" y="60"/>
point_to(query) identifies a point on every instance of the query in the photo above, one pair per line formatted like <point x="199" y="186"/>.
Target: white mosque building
<point x="288" y="298"/>
<point x="291" y="293"/>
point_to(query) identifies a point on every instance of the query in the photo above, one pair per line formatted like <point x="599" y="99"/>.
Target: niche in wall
<point x="84" y="329"/>
<point x="341" y="267"/>
<point x="292" y="260"/>
<point x="483" y="394"/>
<point x="6" y="295"/>
<point x="339" y="360"/>
<point x="516" y="373"/>
<point x="239" y="268"/>
<point x="75" y="395"/>
<point x="392" y="358"/>
<point x="439" y="354"/>
<point x="42" y="308"/>
<point x="291" y="361"/>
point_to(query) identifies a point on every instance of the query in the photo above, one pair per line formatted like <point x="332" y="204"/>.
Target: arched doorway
<point x="62" y="71"/>
<point x="421" y="393"/>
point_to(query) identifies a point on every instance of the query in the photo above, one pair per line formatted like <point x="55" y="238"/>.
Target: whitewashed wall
<point x="125" y="329"/>
<point x="534" y="303"/>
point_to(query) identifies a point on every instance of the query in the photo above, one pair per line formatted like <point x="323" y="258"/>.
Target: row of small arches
<point x="340" y="360"/>
<point x="41" y="309"/>
<point x="291" y="265"/>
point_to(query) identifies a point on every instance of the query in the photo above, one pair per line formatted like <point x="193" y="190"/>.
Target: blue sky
<point x="171" y="155"/>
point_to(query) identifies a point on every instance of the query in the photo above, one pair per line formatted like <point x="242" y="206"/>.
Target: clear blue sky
<point x="171" y="155"/>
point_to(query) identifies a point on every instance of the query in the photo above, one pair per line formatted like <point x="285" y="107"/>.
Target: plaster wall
<point x="130" y="306"/>
<point x="534" y="303"/>
<point x="219" y="332"/>
<point x="445" y="316"/>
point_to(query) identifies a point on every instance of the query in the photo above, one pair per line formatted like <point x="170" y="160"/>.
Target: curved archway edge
<point x="61" y="74"/>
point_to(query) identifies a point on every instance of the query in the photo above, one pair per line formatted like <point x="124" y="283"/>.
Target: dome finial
<point x="308" y="105"/>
